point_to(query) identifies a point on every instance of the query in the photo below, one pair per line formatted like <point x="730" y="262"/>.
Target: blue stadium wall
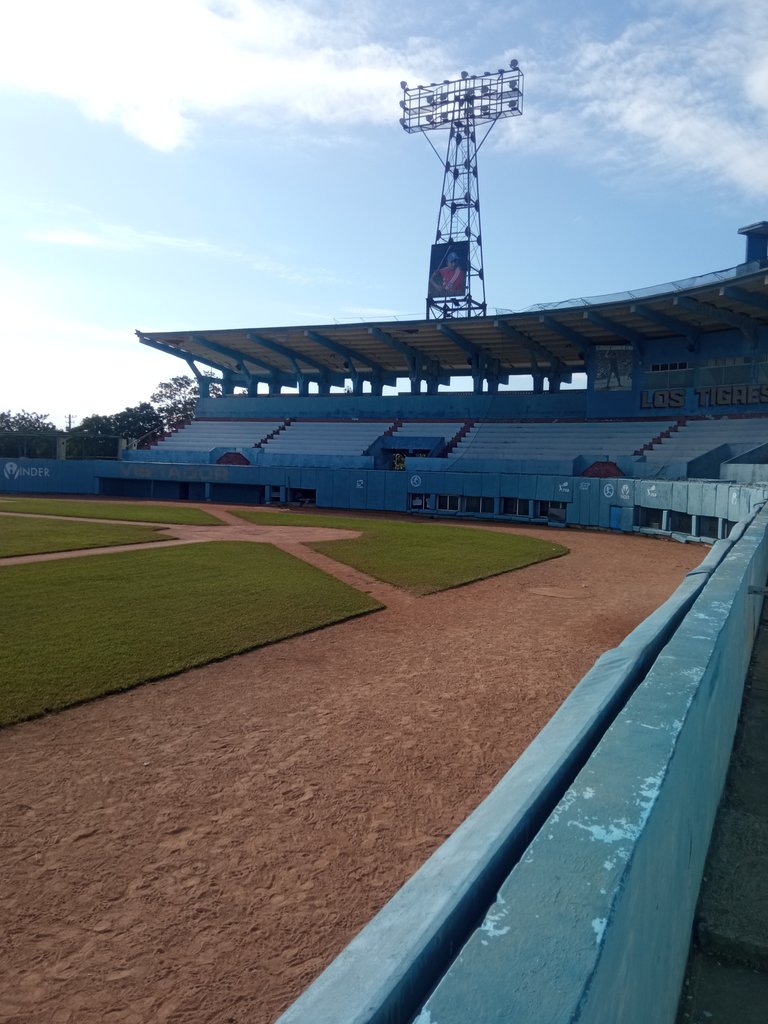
<point x="548" y="491"/>
<point x="706" y="509"/>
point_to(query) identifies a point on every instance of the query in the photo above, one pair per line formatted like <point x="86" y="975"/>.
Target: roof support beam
<point x="413" y="358"/>
<point x="568" y="333"/>
<point x="377" y="376"/>
<point x="420" y="366"/>
<point x="672" y="324"/>
<point x="483" y="365"/>
<point x="730" y="291"/>
<point x="707" y="311"/>
<point x="204" y="381"/>
<point x="633" y="337"/>
<point x="324" y="378"/>
<point x="289" y="353"/>
<point x="536" y="350"/>
<point x="170" y="351"/>
<point x="273" y="376"/>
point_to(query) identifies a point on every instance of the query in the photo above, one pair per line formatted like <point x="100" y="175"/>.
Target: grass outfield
<point x="80" y="628"/>
<point x="418" y="556"/>
<point x="127" y="510"/>
<point x="20" y="535"/>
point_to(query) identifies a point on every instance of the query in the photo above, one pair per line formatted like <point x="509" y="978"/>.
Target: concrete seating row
<point x="556" y="440"/>
<point x="332" y="437"/>
<point x="662" y="440"/>
<point x="430" y="428"/>
<point x="202" y="435"/>
<point x="697" y="437"/>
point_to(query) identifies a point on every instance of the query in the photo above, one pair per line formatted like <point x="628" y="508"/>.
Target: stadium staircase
<point x="648" y="446"/>
<point x="268" y="438"/>
<point x="459" y="436"/>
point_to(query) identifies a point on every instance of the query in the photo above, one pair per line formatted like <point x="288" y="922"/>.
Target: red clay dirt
<point x="196" y="850"/>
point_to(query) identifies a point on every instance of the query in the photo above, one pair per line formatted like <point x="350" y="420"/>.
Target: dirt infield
<point x="197" y="850"/>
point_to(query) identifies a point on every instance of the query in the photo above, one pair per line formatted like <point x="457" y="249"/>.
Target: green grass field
<point x="76" y="629"/>
<point x="22" y="535"/>
<point x="129" y="511"/>
<point x="418" y="556"/>
<point x="80" y="628"/>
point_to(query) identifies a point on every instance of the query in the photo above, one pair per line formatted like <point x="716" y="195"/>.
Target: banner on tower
<point x="448" y="269"/>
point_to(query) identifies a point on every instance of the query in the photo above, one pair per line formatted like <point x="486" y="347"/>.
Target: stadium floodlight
<point x="461" y="106"/>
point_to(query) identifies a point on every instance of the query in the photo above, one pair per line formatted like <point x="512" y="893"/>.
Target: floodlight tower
<point x="456" y="286"/>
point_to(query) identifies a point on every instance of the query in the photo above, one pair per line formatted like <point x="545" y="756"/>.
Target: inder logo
<point x="13" y="471"/>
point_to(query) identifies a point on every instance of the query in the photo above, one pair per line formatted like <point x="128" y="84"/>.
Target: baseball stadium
<point x="437" y="730"/>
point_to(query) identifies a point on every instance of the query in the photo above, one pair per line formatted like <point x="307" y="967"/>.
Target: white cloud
<point x="680" y="87"/>
<point x="684" y="93"/>
<point x="156" y="68"/>
<point x="121" y="237"/>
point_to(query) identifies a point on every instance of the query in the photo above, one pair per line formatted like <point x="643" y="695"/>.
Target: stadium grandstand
<point x="583" y="413"/>
<point x="570" y="893"/>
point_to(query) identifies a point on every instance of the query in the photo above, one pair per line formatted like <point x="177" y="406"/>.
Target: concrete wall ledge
<point x="593" y="925"/>
<point x="390" y="966"/>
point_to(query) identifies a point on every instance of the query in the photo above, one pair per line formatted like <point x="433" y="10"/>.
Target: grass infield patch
<point x="20" y="535"/>
<point x="80" y="628"/>
<point x="418" y="556"/>
<point x="130" y="511"/>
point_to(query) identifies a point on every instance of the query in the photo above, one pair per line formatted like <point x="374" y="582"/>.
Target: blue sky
<point x="193" y="164"/>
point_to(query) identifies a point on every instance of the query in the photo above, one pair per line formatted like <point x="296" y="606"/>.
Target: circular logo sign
<point x="608" y="490"/>
<point x="415" y="480"/>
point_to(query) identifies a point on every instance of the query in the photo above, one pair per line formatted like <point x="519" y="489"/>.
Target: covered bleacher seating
<point x="328" y="437"/>
<point x="697" y="437"/>
<point x="564" y="440"/>
<point x="430" y="428"/>
<point x="202" y="435"/>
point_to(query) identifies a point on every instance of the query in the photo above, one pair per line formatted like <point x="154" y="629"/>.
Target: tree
<point x="97" y="436"/>
<point x="137" y="421"/>
<point x="175" y="400"/>
<point x="33" y="435"/>
<point x="26" y="422"/>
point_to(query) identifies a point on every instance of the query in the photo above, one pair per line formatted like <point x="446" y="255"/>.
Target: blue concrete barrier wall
<point x="593" y="925"/>
<point x="605" y="503"/>
<point x="395" y="960"/>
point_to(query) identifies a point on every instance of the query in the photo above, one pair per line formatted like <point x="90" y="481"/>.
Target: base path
<point x="197" y="850"/>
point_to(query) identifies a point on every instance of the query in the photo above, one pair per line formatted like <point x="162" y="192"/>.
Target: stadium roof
<point x="551" y="339"/>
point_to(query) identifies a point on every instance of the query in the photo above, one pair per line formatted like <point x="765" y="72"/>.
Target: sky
<point x="201" y="164"/>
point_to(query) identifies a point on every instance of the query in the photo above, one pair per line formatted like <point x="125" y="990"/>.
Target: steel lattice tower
<point x="457" y="286"/>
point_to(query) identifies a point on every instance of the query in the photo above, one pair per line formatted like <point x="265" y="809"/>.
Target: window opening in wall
<point x="658" y="367"/>
<point x="708" y="527"/>
<point x="475" y="505"/>
<point x="728" y="361"/>
<point x="516" y="507"/>
<point x="448" y="502"/>
<point x="301" y="495"/>
<point x="680" y="522"/>
<point x="554" y="511"/>
<point x="669" y="375"/>
<point x="727" y="370"/>
<point x="417" y="501"/>
<point x="648" y="518"/>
